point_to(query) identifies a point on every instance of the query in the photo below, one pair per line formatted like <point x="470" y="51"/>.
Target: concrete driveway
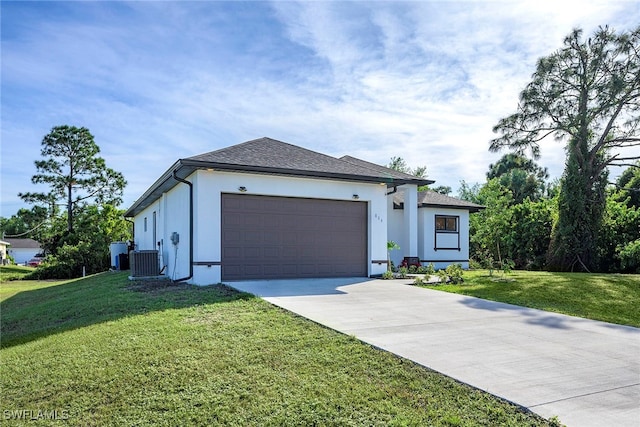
<point x="585" y="372"/>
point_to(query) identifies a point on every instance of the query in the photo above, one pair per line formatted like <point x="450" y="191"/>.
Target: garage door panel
<point x="277" y="237"/>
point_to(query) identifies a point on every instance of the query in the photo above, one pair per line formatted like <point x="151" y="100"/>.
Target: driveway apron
<point x="583" y="371"/>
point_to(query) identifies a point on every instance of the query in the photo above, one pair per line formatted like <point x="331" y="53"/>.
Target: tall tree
<point x="400" y="165"/>
<point x="521" y="175"/>
<point x="74" y="172"/>
<point x="587" y="94"/>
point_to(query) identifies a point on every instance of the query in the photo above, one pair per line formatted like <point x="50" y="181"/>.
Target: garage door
<point x="267" y="237"/>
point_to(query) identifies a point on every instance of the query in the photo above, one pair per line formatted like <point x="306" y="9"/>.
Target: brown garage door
<point x="267" y="237"/>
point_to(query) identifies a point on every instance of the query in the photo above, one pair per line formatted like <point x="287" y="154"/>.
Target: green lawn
<point x="103" y="352"/>
<point x="13" y="272"/>
<point x="612" y="298"/>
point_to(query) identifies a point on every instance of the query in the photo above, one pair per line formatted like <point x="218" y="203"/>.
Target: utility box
<point x="144" y="263"/>
<point x="117" y="248"/>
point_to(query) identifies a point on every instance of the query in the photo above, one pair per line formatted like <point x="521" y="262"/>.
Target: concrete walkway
<point x="585" y="372"/>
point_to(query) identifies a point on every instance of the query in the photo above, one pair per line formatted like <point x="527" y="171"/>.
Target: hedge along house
<point x="265" y="209"/>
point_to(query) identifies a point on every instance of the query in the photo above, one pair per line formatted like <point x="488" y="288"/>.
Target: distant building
<point x="3" y="251"/>
<point x="22" y="250"/>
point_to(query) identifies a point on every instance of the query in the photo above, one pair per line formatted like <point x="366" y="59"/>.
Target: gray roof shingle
<point x="432" y="199"/>
<point x="280" y="156"/>
<point x="18" y="243"/>
<point x="270" y="156"/>
<point x="385" y="171"/>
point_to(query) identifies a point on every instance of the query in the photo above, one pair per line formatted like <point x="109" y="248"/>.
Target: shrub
<point x="474" y="265"/>
<point x="418" y="281"/>
<point x="630" y="257"/>
<point x="452" y="274"/>
<point x="387" y="275"/>
<point x="413" y="269"/>
<point x="403" y="271"/>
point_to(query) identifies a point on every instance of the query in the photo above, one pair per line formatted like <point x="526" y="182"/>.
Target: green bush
<point x="452" y="274"/>
<point x="418" y="281"/>
<point x="387" y="275"/>
<point x="70" y="260"/>
<point x="429" y="269"/>
<point x="630" y="257"/>
<point x="403" y="271"/>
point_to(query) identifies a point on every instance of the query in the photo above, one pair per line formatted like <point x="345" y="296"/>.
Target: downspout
<point x="395" y="190"/>
<point x="184" y="181"/>
<point x="133" y="231"/>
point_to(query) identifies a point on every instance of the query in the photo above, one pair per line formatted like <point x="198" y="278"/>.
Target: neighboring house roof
<point x="23" y="243"/>
<point x="436" y="200"/>
<point x="2" y="242"/>
<point x="269" y="156"/>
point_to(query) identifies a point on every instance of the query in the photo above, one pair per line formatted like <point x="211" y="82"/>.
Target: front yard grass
<point x="613" y="298"/>
<point x="102" y="351"/>
<point x="13" y="272"/>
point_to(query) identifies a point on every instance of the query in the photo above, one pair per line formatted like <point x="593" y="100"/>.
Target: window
<point x="447" y="233"/>
<point x="155" y="237"/>
<point x="446" y="224"/>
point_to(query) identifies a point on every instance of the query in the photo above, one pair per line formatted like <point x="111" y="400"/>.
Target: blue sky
<point x="155" y="81"/>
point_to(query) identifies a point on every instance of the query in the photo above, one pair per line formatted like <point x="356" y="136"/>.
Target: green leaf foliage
<point x="588" y="94"/>
<point x="74" y="173"/>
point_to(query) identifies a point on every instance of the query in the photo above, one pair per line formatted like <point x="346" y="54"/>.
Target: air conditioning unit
<point x="144" y="263"/>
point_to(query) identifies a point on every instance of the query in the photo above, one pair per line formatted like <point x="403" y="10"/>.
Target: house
<point x="266" y="209"/>
<point x="22" y="250"/>
<point x="440" y="232"/>
<point x="3" y="251"/>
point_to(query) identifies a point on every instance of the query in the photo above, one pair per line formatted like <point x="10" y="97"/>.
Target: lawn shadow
<point x="532" y="316"/>
<point x="33" y="314"/>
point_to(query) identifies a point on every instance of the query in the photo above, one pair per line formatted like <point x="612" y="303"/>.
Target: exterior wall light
<point x="355" y="197"/>
<point x="242" y="189"/>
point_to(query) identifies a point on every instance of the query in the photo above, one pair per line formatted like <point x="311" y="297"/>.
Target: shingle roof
<point x="432" y="199"/>
<point x="17" y="243"/>
<point x="269" y="156"/>
<point x="381" y="169"/>
<point x="281" y="156"/>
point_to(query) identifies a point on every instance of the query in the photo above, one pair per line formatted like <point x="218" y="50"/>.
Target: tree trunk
<point x="581" y="205"/>
<point x="70" y="209"/>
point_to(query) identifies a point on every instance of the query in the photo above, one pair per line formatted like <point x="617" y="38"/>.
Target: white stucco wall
<point x="172" y="211"/>
<point x="443" y="257"/>
<point x="172" y="215"/>
<point x="211" y="184"/>
<point x="22" y="255"/>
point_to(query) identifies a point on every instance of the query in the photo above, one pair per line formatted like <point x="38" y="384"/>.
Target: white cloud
<point x="157" y="81"/>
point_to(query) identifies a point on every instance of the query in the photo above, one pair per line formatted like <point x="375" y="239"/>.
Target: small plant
<point x="391" y="245"/>
<point x="507" y="266"/>
<point x="452" y="274"/>
<point x="418" y="281"/>
<point x="387" y="275"/>
<point x="402" y="272"/>
<point x="430" y="269"/>
<point x="555" y="422"/>
<point x="413" y="269"/>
